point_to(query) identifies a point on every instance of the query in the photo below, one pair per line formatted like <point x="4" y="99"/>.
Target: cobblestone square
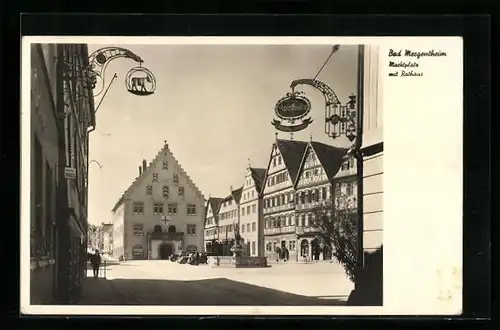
<point x="168" y="283"/>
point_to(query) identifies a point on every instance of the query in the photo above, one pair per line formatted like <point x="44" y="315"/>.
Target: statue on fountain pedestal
<point x="237" y="248"/>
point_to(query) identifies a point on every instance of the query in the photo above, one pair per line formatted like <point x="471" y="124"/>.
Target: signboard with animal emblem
<point x="291" y="111"/>
<point x="140" y="81"/>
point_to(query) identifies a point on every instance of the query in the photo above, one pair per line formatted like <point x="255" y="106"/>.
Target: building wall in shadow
<point x="369" y="281"/>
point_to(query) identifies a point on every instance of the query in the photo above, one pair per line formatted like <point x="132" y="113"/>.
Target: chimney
<point x="140" y="170"/>
<point x="144" y="165"/>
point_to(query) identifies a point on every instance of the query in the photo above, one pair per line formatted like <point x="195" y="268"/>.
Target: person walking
<point x="96" y="263"/>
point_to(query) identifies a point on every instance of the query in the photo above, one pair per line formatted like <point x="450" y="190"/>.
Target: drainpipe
<point x="359" y="156"/>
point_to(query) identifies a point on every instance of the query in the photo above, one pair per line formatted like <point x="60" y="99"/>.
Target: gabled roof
<point x="292" y="152"/>
<point x="258" y="176"/>
<point x="215" y="204"/>
<point x="236" y="194"/>
<point x="330" y="158"/>
<point x="145" y="173"/>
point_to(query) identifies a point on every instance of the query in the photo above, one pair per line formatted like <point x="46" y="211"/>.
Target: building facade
<point x="228" y="219"/>
<point x="371" y="169"/>
<point x="211" y="233"/>
<point x="78" y="115"/>
<point x="315" y="189"/>
<point x="160" y="214"/>
<point x="62" y="111"/>
<point x="44" y="179"/>
<point x="278" y="195"/>
<point x="105" y="238"/>
<point x="251" y="212"/>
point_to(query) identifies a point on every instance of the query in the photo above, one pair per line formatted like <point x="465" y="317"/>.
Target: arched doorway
<point x="165" y="250"/>
<point x="171" y="229"/>
<point x="315" y="250"/>
<point x="157" y="229"/>
<point x="304" y="248"/>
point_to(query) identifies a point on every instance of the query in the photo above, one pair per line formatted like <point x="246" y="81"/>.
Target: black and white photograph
<point x="234" y="174"/>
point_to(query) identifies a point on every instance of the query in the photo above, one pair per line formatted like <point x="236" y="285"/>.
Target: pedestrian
<point x="96" y="263"/>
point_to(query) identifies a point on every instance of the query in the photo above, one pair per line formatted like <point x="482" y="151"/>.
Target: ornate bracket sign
<point x="339" y="119"/>
<point x="138" y="81"/>
<point x="290" y="109"/>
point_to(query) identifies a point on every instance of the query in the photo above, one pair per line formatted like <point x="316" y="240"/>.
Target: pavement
<point x="161" y="282"/>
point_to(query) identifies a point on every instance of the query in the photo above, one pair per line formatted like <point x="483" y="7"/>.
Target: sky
<point x="214" y="105"/>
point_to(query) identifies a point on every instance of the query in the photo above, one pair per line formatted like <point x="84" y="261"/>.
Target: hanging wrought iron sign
<point x="291" y="110"/>
<point x="339" y="119"/>
<point x="140" y="81"/>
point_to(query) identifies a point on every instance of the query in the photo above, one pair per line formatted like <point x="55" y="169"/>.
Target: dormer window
<point x="149" y="190"/>
<point x="155" y="177"/>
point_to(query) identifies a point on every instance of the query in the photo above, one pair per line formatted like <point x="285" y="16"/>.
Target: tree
<point x="336" y="224"/>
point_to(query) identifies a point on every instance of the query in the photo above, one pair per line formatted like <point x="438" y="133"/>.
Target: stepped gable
<point x="236" y="194"/>
<point x="292" y="152"/>
<point x="146" y="173"/>
<point x="258" y="175"/>
<point x="330" y="157"/>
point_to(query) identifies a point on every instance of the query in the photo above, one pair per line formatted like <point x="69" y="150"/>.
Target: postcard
<point x="241" y="176"/>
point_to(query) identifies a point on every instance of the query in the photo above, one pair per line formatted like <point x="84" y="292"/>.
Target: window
<point x="303" y="220"/>
<point x="248" y="227"/>
<point x="279" y="160"/>
<point x="254" y="226"/>
<point x="191" y="209"/>
<point x="316" y="171"/>
<point x="181" y="191"/>
<point x="155" y="177"/>
<point x="289" y="218"/>
<point x="149" y="190"/>
<point x="138" y="208"/>
<point x="165" y="192"/>
<point x="291" y="245"/>
<point x="274" y="161"/>
<point x="253" y="247"/>
<point x="248" y="209"/>
<point x="309" y="219"/>
<point x="165" y="165"/>
<point x="242" y="228"/>
<point x="138" y="230"/>
<point x="243" y="210"/>
<point x="252" y="193"/>
<point x="349" y="188"/>
<point x="176" y="178"/>
<point x="253" y="208"/>
<point x="191" y="230"/>
<point x="172" y="209"/>
<point x="158" y="208"/>
<point x="323" y="192"/>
